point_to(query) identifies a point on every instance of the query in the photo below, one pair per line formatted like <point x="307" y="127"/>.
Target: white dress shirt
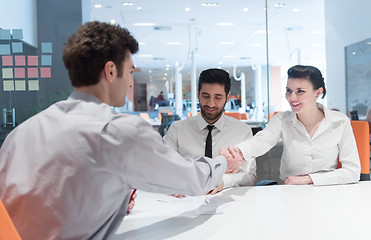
<point x="68" y="172"/>
<point x="316" y="156"/>
<point x="188" y="138"/>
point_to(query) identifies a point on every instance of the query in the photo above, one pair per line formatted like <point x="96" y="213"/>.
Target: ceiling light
<point x="229" y="56"/>
<point x="139" y="8"/>
<point x="245" y="9"/>
<point x="220" y="62"/>
<point x="167" y="65"/>
<point x="209" y="4"/>
<point x="187" y="9"/>
<point x="174" y="43"/>
<point x="145" y="55"/>
<point x="150" y="71"/>
<point x="97" y="5"/>
<point x="316" y="45"/>
<point x="224" y="24"/>
<point x="112" y="21"/>
<point x="127" y="4"/>
<point x="316" y="32"/>
<point x="279" y="5"/>
<point x="227" y="43"/>
<point x="369" y="43"/>
<point x="354" y="53"/>
<point x="165" y="74"/>
<point x="143" y="24"/>
<point x="296" y="9"/>
<point x="167" y="69"/>
<point x="164" y="78"/>
<point x="254" y="45"/>
<point x="142" y="43"/>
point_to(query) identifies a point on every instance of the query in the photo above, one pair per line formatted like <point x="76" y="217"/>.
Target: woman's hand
<point x="298" y="180"/>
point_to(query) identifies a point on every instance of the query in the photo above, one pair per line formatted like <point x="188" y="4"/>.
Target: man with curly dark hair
<point x="69" y="171"/>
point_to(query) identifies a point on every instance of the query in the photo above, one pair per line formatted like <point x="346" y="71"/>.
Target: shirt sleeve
<point x="171" y="137"/>
<point x="155" y="167"/>
<point x="264" y="140"/>
<point x="348" y="156"/>
<point x="246" y="175"/>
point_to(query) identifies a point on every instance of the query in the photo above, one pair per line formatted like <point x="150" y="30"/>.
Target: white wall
<point x="346" y="22"/>
<point x="20" y="14"/>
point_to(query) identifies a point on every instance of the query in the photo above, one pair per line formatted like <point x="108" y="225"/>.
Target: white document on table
<point x="199" y="205"/>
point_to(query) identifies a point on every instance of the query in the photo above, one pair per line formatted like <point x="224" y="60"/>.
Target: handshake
<point x="234" y="158"/>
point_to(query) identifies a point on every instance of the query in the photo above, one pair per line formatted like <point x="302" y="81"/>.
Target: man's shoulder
<point x="235" y="123"/>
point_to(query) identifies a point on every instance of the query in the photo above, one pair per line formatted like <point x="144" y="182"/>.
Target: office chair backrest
<point x="361" y="134"/>
<point x="166" y="122"/>
<point x="7" y="228"/>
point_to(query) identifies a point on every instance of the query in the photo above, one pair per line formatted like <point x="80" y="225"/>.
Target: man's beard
<point x="211" y="117"/>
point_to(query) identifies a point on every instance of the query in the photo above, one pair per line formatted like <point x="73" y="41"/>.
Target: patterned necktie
<point x="209" y="143"/>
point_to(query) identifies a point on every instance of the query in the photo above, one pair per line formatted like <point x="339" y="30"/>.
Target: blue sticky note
<point x="4" y="49"/>
<point x="17" y="34"/>
<point x="46" y="60"/>
<point x="46" y="47"/>
<point x="17" y="47"/>
<point x="4" y="34"/>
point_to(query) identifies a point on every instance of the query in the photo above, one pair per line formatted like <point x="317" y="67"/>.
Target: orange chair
<point x="235" y="115"/>
<point x="272" y="114"/>
<point x="7" y="228"/>
<point x="244" y="116"/>
<point x="143" y="115"/>
<point x="361" y="134"/>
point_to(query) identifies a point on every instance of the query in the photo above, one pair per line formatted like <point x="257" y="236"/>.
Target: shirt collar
<point x="78" y="95"/>
<point x="218" y="124"/>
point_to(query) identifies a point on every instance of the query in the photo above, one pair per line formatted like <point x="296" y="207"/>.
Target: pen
<point x="132" y="194"/>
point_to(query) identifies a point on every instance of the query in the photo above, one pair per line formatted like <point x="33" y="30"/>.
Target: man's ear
<point x="228" y="96"/>
<point x="109" y="71"/>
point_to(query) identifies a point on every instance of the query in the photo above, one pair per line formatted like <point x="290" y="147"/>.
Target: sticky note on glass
<point x="19" y="73"/>
<point x="17" y="47"/>
<point x="4" y="49"/>
<point x="8" y="85"/>
<point x="20" y="85"/>
<point x="7" y="72"/>
<point x="4" y="34"/>
<point x="7" y="60"/>
<point x="33" y="60"/>
<point x="33" y="85"/>
<point x="46" y="47"/>
<point x="17" y="34"/>
<point x="45" y="72"/>
<point x="20" y="60"/>
<point x="46" y="60"/>
<point x="33" y="72"/>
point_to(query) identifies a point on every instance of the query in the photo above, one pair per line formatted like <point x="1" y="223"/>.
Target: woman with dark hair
<point x="314" y="137"/>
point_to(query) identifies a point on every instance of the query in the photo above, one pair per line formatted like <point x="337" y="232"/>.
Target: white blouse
<point x="316" y="156"/>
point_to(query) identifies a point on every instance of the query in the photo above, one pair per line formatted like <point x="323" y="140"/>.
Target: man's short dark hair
<point x="215" y="75"/>
<point x="95" y="43"/>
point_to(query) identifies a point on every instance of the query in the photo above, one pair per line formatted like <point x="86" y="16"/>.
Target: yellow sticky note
<point x="7" y="72"/>
<point x="8" y="85"/>
<point x="20" y="85"/>
<point x="33" y="85"/>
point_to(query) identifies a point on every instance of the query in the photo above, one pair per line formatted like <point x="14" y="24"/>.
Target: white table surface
<point x="267" y="212"/>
